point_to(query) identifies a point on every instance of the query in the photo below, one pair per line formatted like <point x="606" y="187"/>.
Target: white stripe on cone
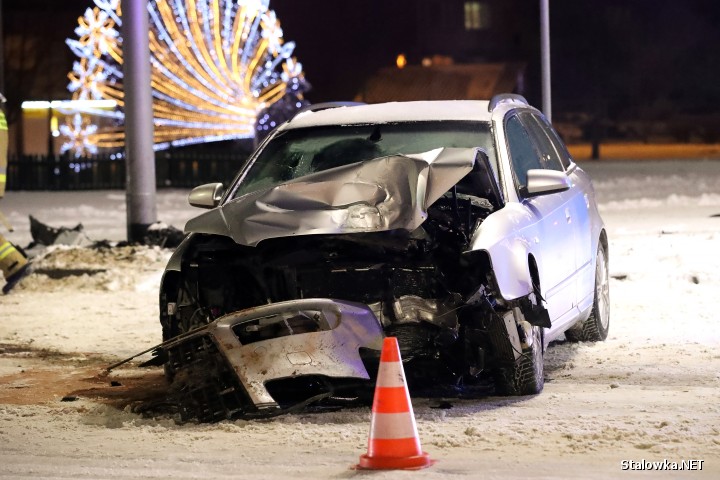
<point x="388" y="426"/>
<point x="390" y="374"/>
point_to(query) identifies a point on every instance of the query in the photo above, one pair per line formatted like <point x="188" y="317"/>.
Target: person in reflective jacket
<point x="13" y="262"/>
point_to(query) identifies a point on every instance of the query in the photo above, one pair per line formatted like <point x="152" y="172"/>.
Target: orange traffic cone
<point x="393" y="442"/>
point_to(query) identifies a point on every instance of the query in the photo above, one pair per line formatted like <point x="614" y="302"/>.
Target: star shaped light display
<point x="218" y="66"/>
<point x="80" y="131"/>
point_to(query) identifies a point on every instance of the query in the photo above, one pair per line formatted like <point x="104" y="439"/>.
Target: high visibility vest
<point x="11" y="260"/>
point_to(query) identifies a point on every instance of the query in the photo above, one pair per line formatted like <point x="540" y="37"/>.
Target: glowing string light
<point x="218" y="68"/>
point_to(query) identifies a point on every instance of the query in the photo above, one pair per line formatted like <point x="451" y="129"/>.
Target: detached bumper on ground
<point x="248" y="363"/>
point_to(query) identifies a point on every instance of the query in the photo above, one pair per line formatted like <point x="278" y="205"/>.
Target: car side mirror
<point x="543" y="182"/>
<point x="206" y="196"/>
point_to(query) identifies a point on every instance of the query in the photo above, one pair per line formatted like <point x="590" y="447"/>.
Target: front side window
<point x="299" y="152"/>
<point x="522" y="152"/>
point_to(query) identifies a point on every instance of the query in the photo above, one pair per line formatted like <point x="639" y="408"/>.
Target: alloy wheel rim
<point x="602" y="289"/>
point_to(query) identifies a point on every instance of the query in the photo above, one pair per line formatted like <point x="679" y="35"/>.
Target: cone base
<point x="394" y="463"/>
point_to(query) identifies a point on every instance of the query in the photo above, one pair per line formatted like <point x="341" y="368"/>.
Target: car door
<point x="578" y="202"/>
<point x="550" y="238"/>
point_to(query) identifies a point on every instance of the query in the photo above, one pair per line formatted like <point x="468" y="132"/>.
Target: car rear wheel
<point x="526" y="375"/>
<point x="597" y="325"/>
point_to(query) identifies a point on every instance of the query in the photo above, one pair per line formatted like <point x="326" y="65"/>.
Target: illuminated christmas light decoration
<point x="220" y="70"/>
<point x="81" y="131"/>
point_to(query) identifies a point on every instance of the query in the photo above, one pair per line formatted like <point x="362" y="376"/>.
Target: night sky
<point x="618" y="58"/>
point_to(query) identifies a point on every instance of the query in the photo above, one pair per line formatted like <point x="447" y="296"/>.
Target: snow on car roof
<point x="472" y="110"/>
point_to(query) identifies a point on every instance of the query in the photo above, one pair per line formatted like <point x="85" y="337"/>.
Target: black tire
<point x="527" y="375"/>
<point x="596" y="327"/>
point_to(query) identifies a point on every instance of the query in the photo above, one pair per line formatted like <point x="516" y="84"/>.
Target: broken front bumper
<point x="221" y="370"/>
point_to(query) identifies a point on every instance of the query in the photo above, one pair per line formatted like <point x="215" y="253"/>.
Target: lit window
<point x="477" y="16"/>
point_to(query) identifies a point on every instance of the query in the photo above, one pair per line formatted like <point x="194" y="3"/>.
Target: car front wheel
<point x="526" y="375"/>
<point x="597" y="325"/>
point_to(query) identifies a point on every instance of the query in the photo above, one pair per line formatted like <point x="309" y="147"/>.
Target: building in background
<point x="462" y="50"/>
<point x="344" y="48"/>
<point x="438" y="78"/>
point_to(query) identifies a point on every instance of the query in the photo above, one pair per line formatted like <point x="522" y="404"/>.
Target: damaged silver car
<point x="463" y="228"/>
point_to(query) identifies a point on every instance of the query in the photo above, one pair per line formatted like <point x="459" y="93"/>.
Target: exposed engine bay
<point x="254" y="331"/>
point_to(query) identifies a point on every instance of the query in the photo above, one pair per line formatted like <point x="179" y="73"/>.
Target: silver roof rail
<point x="316" y="107"/>
<point x="502" y="98"/>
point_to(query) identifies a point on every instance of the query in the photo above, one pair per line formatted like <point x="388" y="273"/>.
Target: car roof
<point x="462" y="110"/>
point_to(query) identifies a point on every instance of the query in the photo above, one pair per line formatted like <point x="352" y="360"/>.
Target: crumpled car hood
<point x="385" y="193"/>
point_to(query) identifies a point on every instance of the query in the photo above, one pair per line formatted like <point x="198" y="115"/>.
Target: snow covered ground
<point x="648" y="394"/>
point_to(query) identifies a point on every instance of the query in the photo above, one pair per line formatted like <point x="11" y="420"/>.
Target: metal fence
<point x="172" y="170"/>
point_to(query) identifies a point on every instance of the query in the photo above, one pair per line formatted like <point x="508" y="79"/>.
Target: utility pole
<point x="545" y="57"/>
<point x="139" y="154"/>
